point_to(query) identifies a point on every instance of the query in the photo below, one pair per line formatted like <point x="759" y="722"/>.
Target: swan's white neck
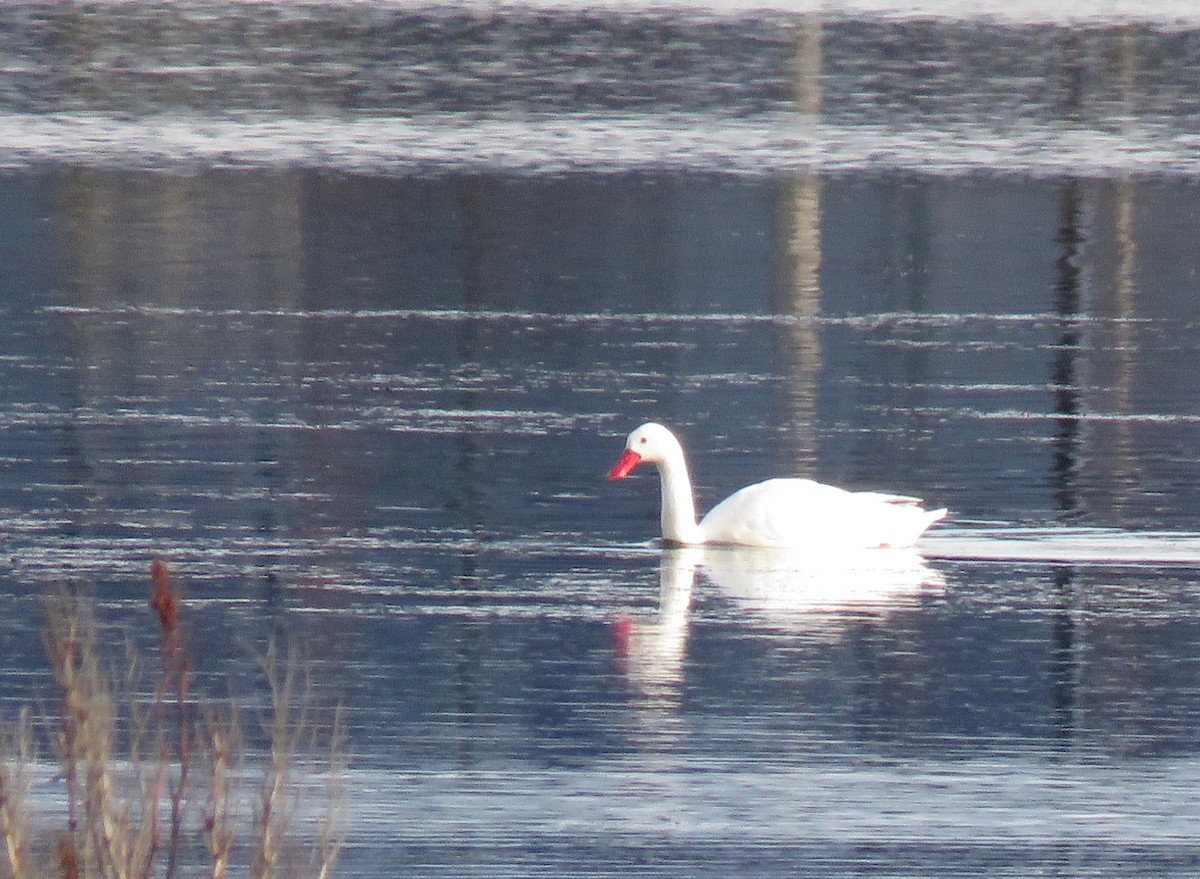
<point x="678" y="507"/>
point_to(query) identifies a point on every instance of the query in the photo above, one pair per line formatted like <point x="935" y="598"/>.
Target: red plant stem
<point x="165" y="601"/>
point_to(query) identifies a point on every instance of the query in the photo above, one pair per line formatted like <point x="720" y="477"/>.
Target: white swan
<point x="776" y="513"/>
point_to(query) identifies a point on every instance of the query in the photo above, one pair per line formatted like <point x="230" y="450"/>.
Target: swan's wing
<point x="800" y="512"/>
<point x="778" y="512"/>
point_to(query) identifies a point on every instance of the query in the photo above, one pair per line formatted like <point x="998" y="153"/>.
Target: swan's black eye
<point x="642" y="441"/>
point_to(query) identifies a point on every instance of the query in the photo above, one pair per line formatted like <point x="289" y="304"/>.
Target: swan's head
<point x="649" y="444"/>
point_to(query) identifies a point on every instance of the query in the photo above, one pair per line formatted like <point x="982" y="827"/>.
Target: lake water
<point x="346" y="309"/>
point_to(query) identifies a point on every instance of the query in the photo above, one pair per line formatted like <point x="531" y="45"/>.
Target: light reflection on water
<point x="398" y="458"/>
<point x="356" y="354"/>
<point x="416" y="88"/>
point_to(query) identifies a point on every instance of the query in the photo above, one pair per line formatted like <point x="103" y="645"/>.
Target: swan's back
<point x="803" y="513"/>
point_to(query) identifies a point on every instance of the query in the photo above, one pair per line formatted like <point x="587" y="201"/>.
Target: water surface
<point x="346" y="311"/>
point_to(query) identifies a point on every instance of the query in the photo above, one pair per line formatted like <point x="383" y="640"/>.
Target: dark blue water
<point x="346" y="312"/>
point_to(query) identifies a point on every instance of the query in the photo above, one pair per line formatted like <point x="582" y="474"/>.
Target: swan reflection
<point x="783" y="589"/>
<point x="800" y="590"/>
<point x="651" y="651"/>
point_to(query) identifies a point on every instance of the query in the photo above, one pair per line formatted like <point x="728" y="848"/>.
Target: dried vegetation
<point x="154" y="778"/>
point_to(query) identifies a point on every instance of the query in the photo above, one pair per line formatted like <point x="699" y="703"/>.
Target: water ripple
<point x="775" y="143"/>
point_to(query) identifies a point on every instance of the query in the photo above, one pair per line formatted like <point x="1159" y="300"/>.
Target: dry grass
<point x="16" y="753"/>
<point x="156" y="780"/>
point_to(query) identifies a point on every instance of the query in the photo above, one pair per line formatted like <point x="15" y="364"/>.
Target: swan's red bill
<point x="629" y="460"/>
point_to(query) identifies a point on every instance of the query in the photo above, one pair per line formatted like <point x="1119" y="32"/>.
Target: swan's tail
<point x="928" y="519"/>
<point x="915" y="526"/>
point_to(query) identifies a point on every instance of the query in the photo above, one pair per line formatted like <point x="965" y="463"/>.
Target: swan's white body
<point x="776" y="513"/>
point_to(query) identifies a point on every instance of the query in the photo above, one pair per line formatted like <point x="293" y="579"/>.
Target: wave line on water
<point x="870" y="321"/>
<point x="1166" y="14"/>
<point x="1081" y="417"/>
<point x="976" y="800"/>
<point x="781" y="141"/>
<point x="1083" y="546"/>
